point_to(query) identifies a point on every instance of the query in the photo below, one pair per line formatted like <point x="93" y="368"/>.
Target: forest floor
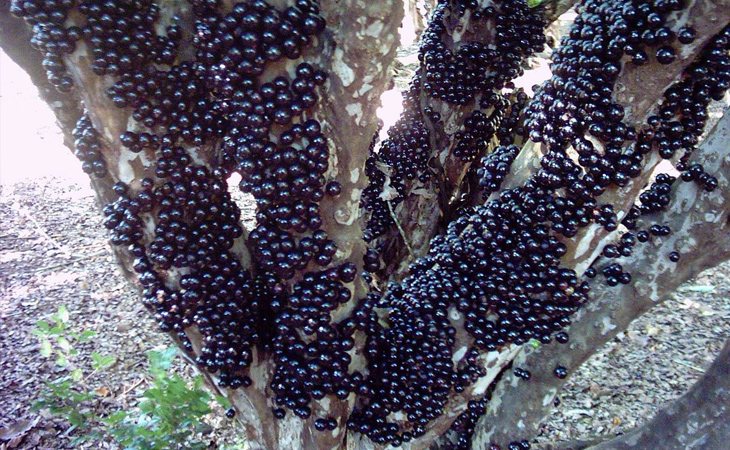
<point x="54" y="251"/>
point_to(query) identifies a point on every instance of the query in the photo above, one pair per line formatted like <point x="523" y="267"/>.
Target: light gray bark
<point x="699" y="221"/>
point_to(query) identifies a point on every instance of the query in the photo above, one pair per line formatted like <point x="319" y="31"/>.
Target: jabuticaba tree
<point x="387" y="291"/>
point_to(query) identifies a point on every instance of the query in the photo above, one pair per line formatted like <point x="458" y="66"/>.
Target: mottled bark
<point x="428" y="206"/>
<point x="699" y="220"/>
<point x="635" y="86"/>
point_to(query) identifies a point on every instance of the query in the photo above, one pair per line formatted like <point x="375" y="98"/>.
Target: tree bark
<point x="428" y="204"/>
<point x="699" y="221"/>
<point x="357" y="49"/>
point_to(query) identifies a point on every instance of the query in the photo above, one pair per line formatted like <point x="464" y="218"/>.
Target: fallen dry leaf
<point x="18" y="429"/>
<point x="102" y="391"/>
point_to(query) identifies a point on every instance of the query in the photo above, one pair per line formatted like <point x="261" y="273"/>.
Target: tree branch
<point x="698" y="420"/>
<point x="699" y="221"/>
<point x="426" y="203"/>
<point x="637" y="89"/>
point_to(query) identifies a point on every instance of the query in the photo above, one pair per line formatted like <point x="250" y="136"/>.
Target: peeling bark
<point x="428" y="205"/>
<point x="699" y="221"/>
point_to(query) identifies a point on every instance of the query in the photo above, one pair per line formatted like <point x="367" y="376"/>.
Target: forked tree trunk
<point x="357" y="49"/>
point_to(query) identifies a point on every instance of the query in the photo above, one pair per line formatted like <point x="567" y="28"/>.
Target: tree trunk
<point x="357" y="49"/>
<point x="288" y="348"/>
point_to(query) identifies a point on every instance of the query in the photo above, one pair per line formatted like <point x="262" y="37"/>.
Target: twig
<point x="682" y="363"/>
<point x="131" y="388"/>
<point x="66" y="263"/>
<point x="400" y="228"/>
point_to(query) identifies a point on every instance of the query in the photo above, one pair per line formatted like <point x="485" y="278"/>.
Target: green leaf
<point x="45" y="348"/>
<point x="42" y="327"/>
<point x="224" y="402"/>
<point x="77" y="375"/>
<point x="62" y="315"/>
<point x="115" y="418"/>
<point x="534" y="343"/>
<point x="77" y="419"/>
<point x="86" y="335"/>
<point x="534" y="3"/>
<point x="101" y="362"/>
<point x="63" y="343"/>
<point x="61" y="360"/>
<point x="161" y="360"/>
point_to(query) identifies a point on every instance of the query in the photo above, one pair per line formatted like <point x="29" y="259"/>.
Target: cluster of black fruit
<point x="683" y="112"/>
<point x="657" y="197"/>
<point x="464" y="425"/>
<point x="122" y="36"/>
<point x="194" y="234"/>
<point x="458" y="73"/>
<point x="461" y="431"/>
<point x="479" y="127"/>
<point x="282" y="157"/>
<point x="88" y="147"/>
<point x="51" y="36"/>
<point x="497" y="268"/>
<point x="577" y="100"/>
<point x="404" y="155"/>
<point x="677" y="126"/>
<point x="474" y="70"/>
<point x="494" y="167"/>
<point x="511" y="126"/>
<point x="180" y="223"/>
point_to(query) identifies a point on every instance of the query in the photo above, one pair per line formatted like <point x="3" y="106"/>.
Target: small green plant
<point x="169" y="414"/>
<point x="70" y="396"/>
